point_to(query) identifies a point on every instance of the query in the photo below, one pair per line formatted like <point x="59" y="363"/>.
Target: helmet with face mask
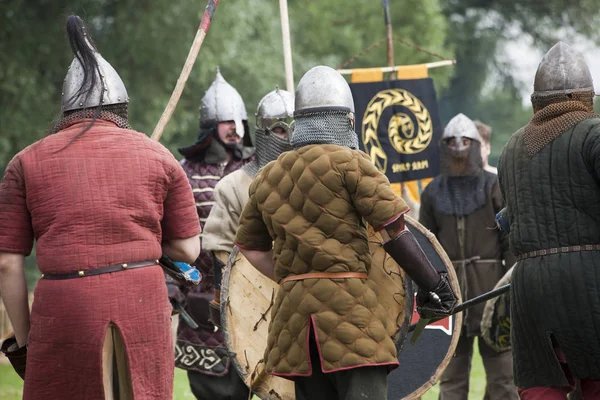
<point x="274" y="119"/>
<point x="461" y="127"/>
<point x="461" y="147"/>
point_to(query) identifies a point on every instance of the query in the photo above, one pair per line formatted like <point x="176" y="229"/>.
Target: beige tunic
<point x="231" y="195"/>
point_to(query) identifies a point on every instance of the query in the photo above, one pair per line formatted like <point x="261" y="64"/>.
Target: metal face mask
<point x="276" y="110"/>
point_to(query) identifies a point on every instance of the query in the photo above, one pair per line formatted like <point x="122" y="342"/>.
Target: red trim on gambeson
<point x="312" y="325"/>
<point x="389" y="221"/>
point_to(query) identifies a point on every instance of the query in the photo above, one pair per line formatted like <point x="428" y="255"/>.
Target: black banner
<point x="398" y="126"/>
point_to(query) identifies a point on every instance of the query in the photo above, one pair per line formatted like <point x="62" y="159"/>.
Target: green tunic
<point x="553" y="200"/>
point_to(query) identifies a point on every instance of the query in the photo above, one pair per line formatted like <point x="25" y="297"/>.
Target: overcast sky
<point x="525" y="58"/>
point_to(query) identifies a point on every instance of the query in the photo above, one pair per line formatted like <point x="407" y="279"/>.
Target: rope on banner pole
<point x="401" y="41"/>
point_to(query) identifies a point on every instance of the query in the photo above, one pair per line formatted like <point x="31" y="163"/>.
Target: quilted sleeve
<point x="180" y="219"/>
<point x="371" y="192"/>
<point x="252" y="233"/>
<point x="592" y="150"/>
<point x="498" y="203"/>
<point x="16" y="232"/>
<point x="222" y="222"/>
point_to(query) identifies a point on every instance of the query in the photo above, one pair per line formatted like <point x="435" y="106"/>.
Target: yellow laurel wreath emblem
<point x="401" y="129"/>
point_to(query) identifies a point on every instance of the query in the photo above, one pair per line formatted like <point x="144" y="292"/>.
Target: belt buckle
<point x="543" y="252"/>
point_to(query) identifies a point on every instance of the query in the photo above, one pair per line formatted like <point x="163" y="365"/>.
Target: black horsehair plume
<point x="83" y="48"/>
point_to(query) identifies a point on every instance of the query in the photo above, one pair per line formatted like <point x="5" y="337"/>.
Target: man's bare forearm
<point x="13" y="287"/>
<point x="261" y="260"/>
<point x="186" y="250"/>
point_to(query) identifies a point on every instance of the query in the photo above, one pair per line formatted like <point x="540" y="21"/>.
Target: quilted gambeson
<point x="314" y="204"/>
<point x="553" y="201"/>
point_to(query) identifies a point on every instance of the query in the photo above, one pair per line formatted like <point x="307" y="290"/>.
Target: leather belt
<point x="101" y="270"/>
<point x="324" y="275"/>
<point x="557" y="250"/>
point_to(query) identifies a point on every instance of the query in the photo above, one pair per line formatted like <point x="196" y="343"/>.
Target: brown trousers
<point x="115" y="373"/>
<point x="454" y="384"/>
<point x="360" y="383"/>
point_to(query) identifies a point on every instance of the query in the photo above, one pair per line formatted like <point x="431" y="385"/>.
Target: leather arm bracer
<point x="409" y="255"/>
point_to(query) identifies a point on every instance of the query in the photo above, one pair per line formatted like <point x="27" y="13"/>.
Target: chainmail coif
<point x="326" y="127"/>
<point x="463" y="186"/>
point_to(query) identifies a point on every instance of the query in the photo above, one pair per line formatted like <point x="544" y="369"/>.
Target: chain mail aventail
<point x="116" y="113"/>
<point x="268" y="148"/>
<point x="326" y="127"/>
<point x="552" y="120"/>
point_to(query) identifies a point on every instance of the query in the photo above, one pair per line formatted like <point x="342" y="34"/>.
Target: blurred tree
<point x="147" y="43"/>
<point x="479" y="29"/>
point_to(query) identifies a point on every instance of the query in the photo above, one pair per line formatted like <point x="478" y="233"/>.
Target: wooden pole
<point x="186" y="70"/>
<point x="390" y="41"/>
<point x="287" y="46"/>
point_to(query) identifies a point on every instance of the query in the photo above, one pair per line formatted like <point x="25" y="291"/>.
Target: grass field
<point x="11" y="386"/>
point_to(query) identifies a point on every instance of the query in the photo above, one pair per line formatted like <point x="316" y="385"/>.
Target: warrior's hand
<point x="15" y="354"/>
<point x="439" y="302"/>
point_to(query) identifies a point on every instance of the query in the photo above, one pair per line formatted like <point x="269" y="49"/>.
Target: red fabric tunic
<point x="109" y="197"/>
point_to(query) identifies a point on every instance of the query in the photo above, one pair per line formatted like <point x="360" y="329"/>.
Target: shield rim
<point x="457" y="323"/>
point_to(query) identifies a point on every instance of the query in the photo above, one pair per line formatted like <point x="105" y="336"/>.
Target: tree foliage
<point x="479" y="27"/>
<point x="147" y="43"/>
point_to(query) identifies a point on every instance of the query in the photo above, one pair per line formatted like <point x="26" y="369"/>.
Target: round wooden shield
<point x="422" y="364"/>
<point x="247" y="297"/>
<point x="495" y="322"/>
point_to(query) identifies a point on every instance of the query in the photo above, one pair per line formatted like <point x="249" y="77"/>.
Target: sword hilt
<point x="184" y="314"/>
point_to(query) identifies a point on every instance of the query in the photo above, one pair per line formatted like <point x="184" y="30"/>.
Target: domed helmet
<point x="563" y="75"/>
<point x="92" y="88"/>
<point x="274" y="124"/>
<point x="222" y="102"/>
<point x="275" y="110"/>
<point x="460" y="157"/>
<point x="324" y="110"/>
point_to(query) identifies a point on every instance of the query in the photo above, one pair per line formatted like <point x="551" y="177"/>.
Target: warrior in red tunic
<point x="102" y="203"/>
